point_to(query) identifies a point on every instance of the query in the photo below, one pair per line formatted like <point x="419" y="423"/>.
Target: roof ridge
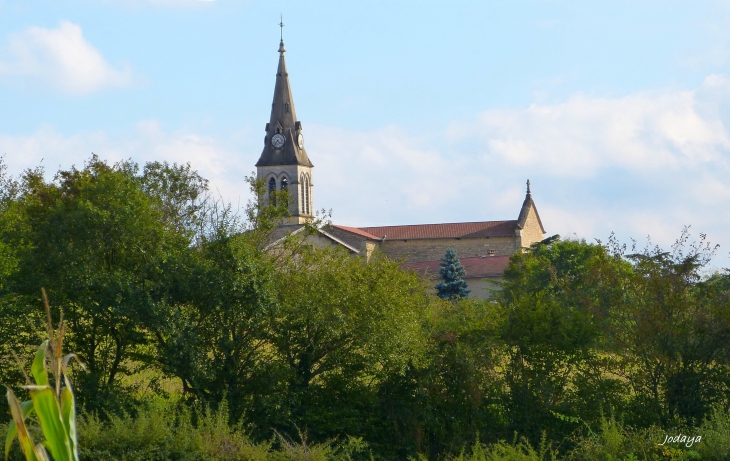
<point x="437" y="224"/>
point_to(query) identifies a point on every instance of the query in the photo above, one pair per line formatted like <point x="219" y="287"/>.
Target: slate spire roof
<point x="283" y="121"/>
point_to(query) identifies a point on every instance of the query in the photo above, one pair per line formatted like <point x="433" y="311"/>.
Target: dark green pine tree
<point x="453" y="285"/>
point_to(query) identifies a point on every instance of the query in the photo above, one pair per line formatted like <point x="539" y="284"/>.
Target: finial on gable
<point x="528" y="187"/>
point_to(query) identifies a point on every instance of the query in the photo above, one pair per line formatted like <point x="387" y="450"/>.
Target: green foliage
<point x="451" y="273"/>
<point x="674" y="325"/>
<point x="101" y="247"/>
<point x="160" y="432"/>
<point x="51" y="402"/>
<point x="589" y="351"/>
<point x="715" y="431"/>
<point x="555" y="296"/>
<point x="342" y="320"/>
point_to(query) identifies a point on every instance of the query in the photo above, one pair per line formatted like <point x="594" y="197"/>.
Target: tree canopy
<point x="170" y="294"/>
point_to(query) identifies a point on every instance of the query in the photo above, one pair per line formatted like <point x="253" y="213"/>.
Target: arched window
<point x="285" y="187"/>
<point x="301" y="195"/>
<point x="307" y="192"/>
<point x="272" y="191"/>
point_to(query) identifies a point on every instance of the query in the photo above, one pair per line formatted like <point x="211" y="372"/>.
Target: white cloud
<point x="61" y="59"/>
<point x="643" y="164"/>
<point x="585" y="135"/>
<point x="213" y="157"/>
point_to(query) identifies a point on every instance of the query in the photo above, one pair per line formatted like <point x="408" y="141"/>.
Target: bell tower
<point x="284" y="164"/>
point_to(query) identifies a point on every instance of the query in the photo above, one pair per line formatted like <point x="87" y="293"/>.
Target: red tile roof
<point x="477" y="267"/>
<point x="356" y="231"/>
<point x="448" y="230"/>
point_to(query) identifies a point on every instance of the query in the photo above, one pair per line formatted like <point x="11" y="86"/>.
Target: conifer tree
<point x="451" y="273"/>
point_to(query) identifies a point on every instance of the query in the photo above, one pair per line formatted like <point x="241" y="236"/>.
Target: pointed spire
<point x="525" y="210"/>
<point x="283" y="121"/>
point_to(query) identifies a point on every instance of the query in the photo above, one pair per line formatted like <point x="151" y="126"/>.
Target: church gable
<point x="529" y="225"/>
<point x="318" y="238"/>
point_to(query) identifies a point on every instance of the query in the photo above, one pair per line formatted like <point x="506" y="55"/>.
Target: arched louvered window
<point x="306" y="179"/>
<point x="285" y="187"/>
<point x="301" y="194"/>
<point x="272" y="191"/>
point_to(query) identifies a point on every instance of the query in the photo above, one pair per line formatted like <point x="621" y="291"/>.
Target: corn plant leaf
<point x="68" y="416"/>
<point x="38" y="369"/>
<point x="27" y="409"/>
<point x="26" y="443"/>
<point x="41" y="453"/>
<point x="49" y="415"/>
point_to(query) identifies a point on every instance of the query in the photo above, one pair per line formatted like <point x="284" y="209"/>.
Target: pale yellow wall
<point x="292" y="173"/>
<point x="531" y="232"/>
<point x="434" y="249"/>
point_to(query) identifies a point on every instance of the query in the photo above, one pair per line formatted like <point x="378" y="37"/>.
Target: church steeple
<point x="283" y="122"/>
<point x="284" y="164"/>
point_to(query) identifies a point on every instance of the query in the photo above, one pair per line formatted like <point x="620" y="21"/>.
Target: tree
<point x="556" y="296"/>
<point x="340" y="326"/>
<point x="673" y="326"/>
<point x="102" y="247"/>
<point x="451" y="272"/>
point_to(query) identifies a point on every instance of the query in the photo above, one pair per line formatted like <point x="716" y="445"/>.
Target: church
<point x="483" y="247"/>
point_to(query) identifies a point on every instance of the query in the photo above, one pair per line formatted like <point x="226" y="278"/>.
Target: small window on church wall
<point x="306" y="179"/>
<point x="272" y="190"/>
<point x="286" y="107"/>
<point x="285" y="186"/>
<point x="301" y="194"/>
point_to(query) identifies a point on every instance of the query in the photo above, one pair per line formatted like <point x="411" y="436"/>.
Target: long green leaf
<point x="49" y="415"/>
<point x="68" y="416"/>
<point x="27" y="409"/>
<point x="26" y="443"/>
<point x="38" y="369"/>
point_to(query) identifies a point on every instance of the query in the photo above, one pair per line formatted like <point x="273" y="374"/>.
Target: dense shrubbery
<point x="167" y="430"/>
<point x="589" y="351"/>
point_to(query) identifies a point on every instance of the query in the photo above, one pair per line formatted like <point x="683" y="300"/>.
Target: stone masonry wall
<point x="434" y="249"/>
<point x="531" y="233"/>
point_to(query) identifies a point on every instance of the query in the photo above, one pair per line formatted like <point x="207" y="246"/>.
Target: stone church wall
<point x="434" y="249"/>
<point x="531" y="233"/>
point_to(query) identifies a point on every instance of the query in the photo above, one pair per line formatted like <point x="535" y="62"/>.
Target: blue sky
<point x="414" y="112"/>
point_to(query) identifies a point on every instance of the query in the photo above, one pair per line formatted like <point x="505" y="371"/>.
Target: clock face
<point x="277" y="140"/>
<point x="300" y="141"/>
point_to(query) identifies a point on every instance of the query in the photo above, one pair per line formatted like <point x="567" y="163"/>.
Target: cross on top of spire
<point x="281" y="33"/>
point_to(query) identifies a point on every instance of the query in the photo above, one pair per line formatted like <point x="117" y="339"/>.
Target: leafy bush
<point x="715" y="431"/>
<point x="160" y="432"/>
